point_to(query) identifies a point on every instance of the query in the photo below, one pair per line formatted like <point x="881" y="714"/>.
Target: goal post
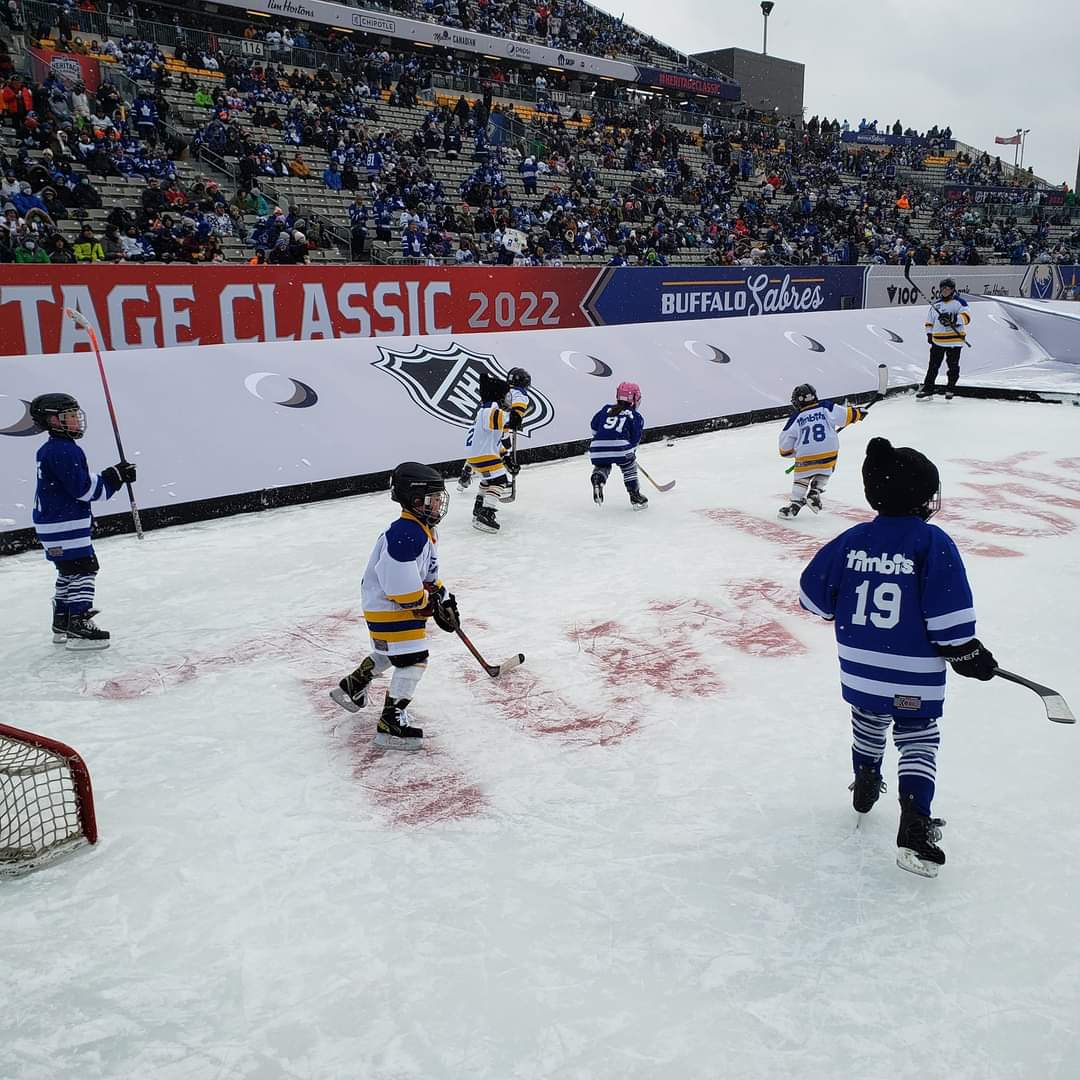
<point x="46" y="801"/>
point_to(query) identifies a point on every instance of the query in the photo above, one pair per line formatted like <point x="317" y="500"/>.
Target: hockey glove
<point x="511" y="466"/>
<point x="513" y="421"/>
<point x="972" y="659"/>
<point x="117" y="475"/>
<point x="445" y="612"/>
<point x="929" y="339"/>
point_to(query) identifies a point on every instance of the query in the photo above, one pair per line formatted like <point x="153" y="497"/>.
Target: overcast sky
<point x="986" y="68"/>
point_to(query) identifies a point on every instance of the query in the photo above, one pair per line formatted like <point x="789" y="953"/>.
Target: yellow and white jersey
<point x="405" y="559"/>
<point x="484" y="442"/>
<point x="952" y="329"/>
<point x="811" y="436"/>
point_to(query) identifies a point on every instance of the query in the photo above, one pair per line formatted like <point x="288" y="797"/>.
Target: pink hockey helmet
<point x="629" y="392"/>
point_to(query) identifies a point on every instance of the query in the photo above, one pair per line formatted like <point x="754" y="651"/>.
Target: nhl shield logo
<point x="446" y="383"/>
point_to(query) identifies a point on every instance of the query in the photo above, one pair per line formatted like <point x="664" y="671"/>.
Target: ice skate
<point x="483" y="517"/>
<point x="638" y="501"/>
<point x="924" y="393"/>
<point x="59" y="626"/>
<point x="351" y="692"/>
<point x="394" y="732"/>
<point x="598" y="488"/>
<point x="865" y="789"/>
<point x="791" y="510"/>
<point x="949" y="392"/>
<point x="465" y="479"/>
<point x="83" y="635"/>
<point x="813" y="500"/>
<point x="916" y="842"/>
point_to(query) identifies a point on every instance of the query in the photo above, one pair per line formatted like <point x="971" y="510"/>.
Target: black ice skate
<point x="59" y="626"/>
<point x="916" y="842"/>
<point x="483" y="517"/>
<point x="83" y="635"/>
<point x="865" y="789"/>
<point x="351" y="692"/>
<point x="598" y="488"/>
<point x="790" y="511"/>
<point x="949" y="391"/>
<point x="813" y="500"/>
<point x="465" y="479"/>
<point x="923" y="393"/>
<point x="394" y="732"/>
<point x="638" y="501"/>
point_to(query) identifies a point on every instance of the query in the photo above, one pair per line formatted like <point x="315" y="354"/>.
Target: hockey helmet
<point x="519" y="378"/>
<point x="420" y="490"/>
<point x="47" y="410"/>
<point x="803" y="396"/>
<point x="629" y="392"/>
<point x="900" y="481"/>
<point x="947" y="283"/>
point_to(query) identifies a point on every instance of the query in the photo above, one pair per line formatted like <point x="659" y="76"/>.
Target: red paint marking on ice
<point x="1011" y="467"/>
<point x="522" y="698"/>
<point x="409" y="788"/>
<point x="1055" y="524"/>
<point x="792" y="542"/>
<point x="1022" y="491"/>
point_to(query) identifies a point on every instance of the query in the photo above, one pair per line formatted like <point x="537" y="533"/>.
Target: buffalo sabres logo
<point x="1040" y="283"/>
<point x="446" y="383"/>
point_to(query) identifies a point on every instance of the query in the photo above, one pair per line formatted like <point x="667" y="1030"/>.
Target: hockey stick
<point x="659" y="487"/>
<point x="513" y="458"/>
<point x="882" y="386"/>
<point x="79" y="318"/>
<point x="933" y="304"/>
<point x="1056" y="707"/>
<point x="494" y="670"/>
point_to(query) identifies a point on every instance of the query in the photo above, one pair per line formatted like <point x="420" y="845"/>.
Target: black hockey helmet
<point x="519" y="378"/>
<point x="45" y="411"/>
<point x="899" y="481"/>
<point x="493" y="387"/>
<point x="947" y="283"/>
<point x="803" y="396"/>
<point x="420" y="490"/>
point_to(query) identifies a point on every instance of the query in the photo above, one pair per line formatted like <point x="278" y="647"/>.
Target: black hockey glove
<point x="511" y="466"/>
<point x="972" y="659"/>
<point x="123" y="472"/>
<point x="444" y="611"/>
<point x="929" y="339"/>
<point x="513" y="421"/>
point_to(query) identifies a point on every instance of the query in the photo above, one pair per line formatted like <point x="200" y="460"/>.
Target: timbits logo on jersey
<point x="446" y="383"/>
<point x="862" y="563"/>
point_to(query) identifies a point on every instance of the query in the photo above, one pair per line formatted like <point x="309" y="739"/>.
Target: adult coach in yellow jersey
<point x="946" y="330"/>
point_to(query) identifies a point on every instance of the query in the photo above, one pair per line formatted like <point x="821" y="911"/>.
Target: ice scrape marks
<point x="525" y="701"/>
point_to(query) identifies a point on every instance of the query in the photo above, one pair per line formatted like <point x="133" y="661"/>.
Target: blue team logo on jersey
<point x="445" y="383"/>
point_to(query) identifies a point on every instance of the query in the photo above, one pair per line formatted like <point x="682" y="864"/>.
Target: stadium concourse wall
<point x="232" y="428"/>
<point x="156" y="306"/>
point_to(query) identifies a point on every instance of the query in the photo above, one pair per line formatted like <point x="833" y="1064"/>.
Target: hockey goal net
<point x="46" y="802"/>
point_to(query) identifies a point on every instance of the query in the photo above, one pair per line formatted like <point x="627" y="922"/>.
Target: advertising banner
<point x="68" y="66"/>
<point x="662" y="294"/>
<point x="883" y="138"/>
<point x="1002" y="196"/>
<point x="886" y="286"/>
<point x="220" y="422"/>
<point x="156" y="306"/>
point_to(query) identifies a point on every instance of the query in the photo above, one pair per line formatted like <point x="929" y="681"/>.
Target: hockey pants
<point x="917" y="742"/>
<point x="627" y="464"/>
<point x="950" y="354"/>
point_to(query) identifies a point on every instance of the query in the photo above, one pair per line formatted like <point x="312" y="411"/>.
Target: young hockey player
<point x="946" y="329"/>
<point x="488" y="447"/>
<point x="63" y="519"/>
<point x="518" y="402"/>
<point x="401" y="590"/>
<point x="617" y="430"/>
<point x="810" y="436"/>
<point x="897" y="592"/>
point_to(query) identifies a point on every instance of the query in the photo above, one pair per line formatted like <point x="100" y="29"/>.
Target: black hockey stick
<point x="1056" y="707"/>
<point x="494" y="670"/>
<point x="932" y="303"/>
<point x="659" y="487"/>
<point x="514" y="472"/>
<point x="882" y="387"/>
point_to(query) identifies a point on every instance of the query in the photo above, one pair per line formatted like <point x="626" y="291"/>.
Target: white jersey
<point x="952" y="329"/>
<point x="403" y="564"/>
<point x="811" y="436"/>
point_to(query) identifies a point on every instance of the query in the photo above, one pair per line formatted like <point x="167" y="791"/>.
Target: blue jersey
<point x="65" y="489"/>
<point x="896" y="589"/>
<point x="617" y="430"/>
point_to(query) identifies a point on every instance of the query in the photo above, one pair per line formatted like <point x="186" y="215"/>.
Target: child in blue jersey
<point x="617" y="430"/>
<point x="400" y="591"/>
<point x="898" y="594"/>
<point x="62" y="517"/>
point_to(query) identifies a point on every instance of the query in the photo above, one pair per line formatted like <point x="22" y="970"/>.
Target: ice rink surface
<point x="634" y="857"/>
